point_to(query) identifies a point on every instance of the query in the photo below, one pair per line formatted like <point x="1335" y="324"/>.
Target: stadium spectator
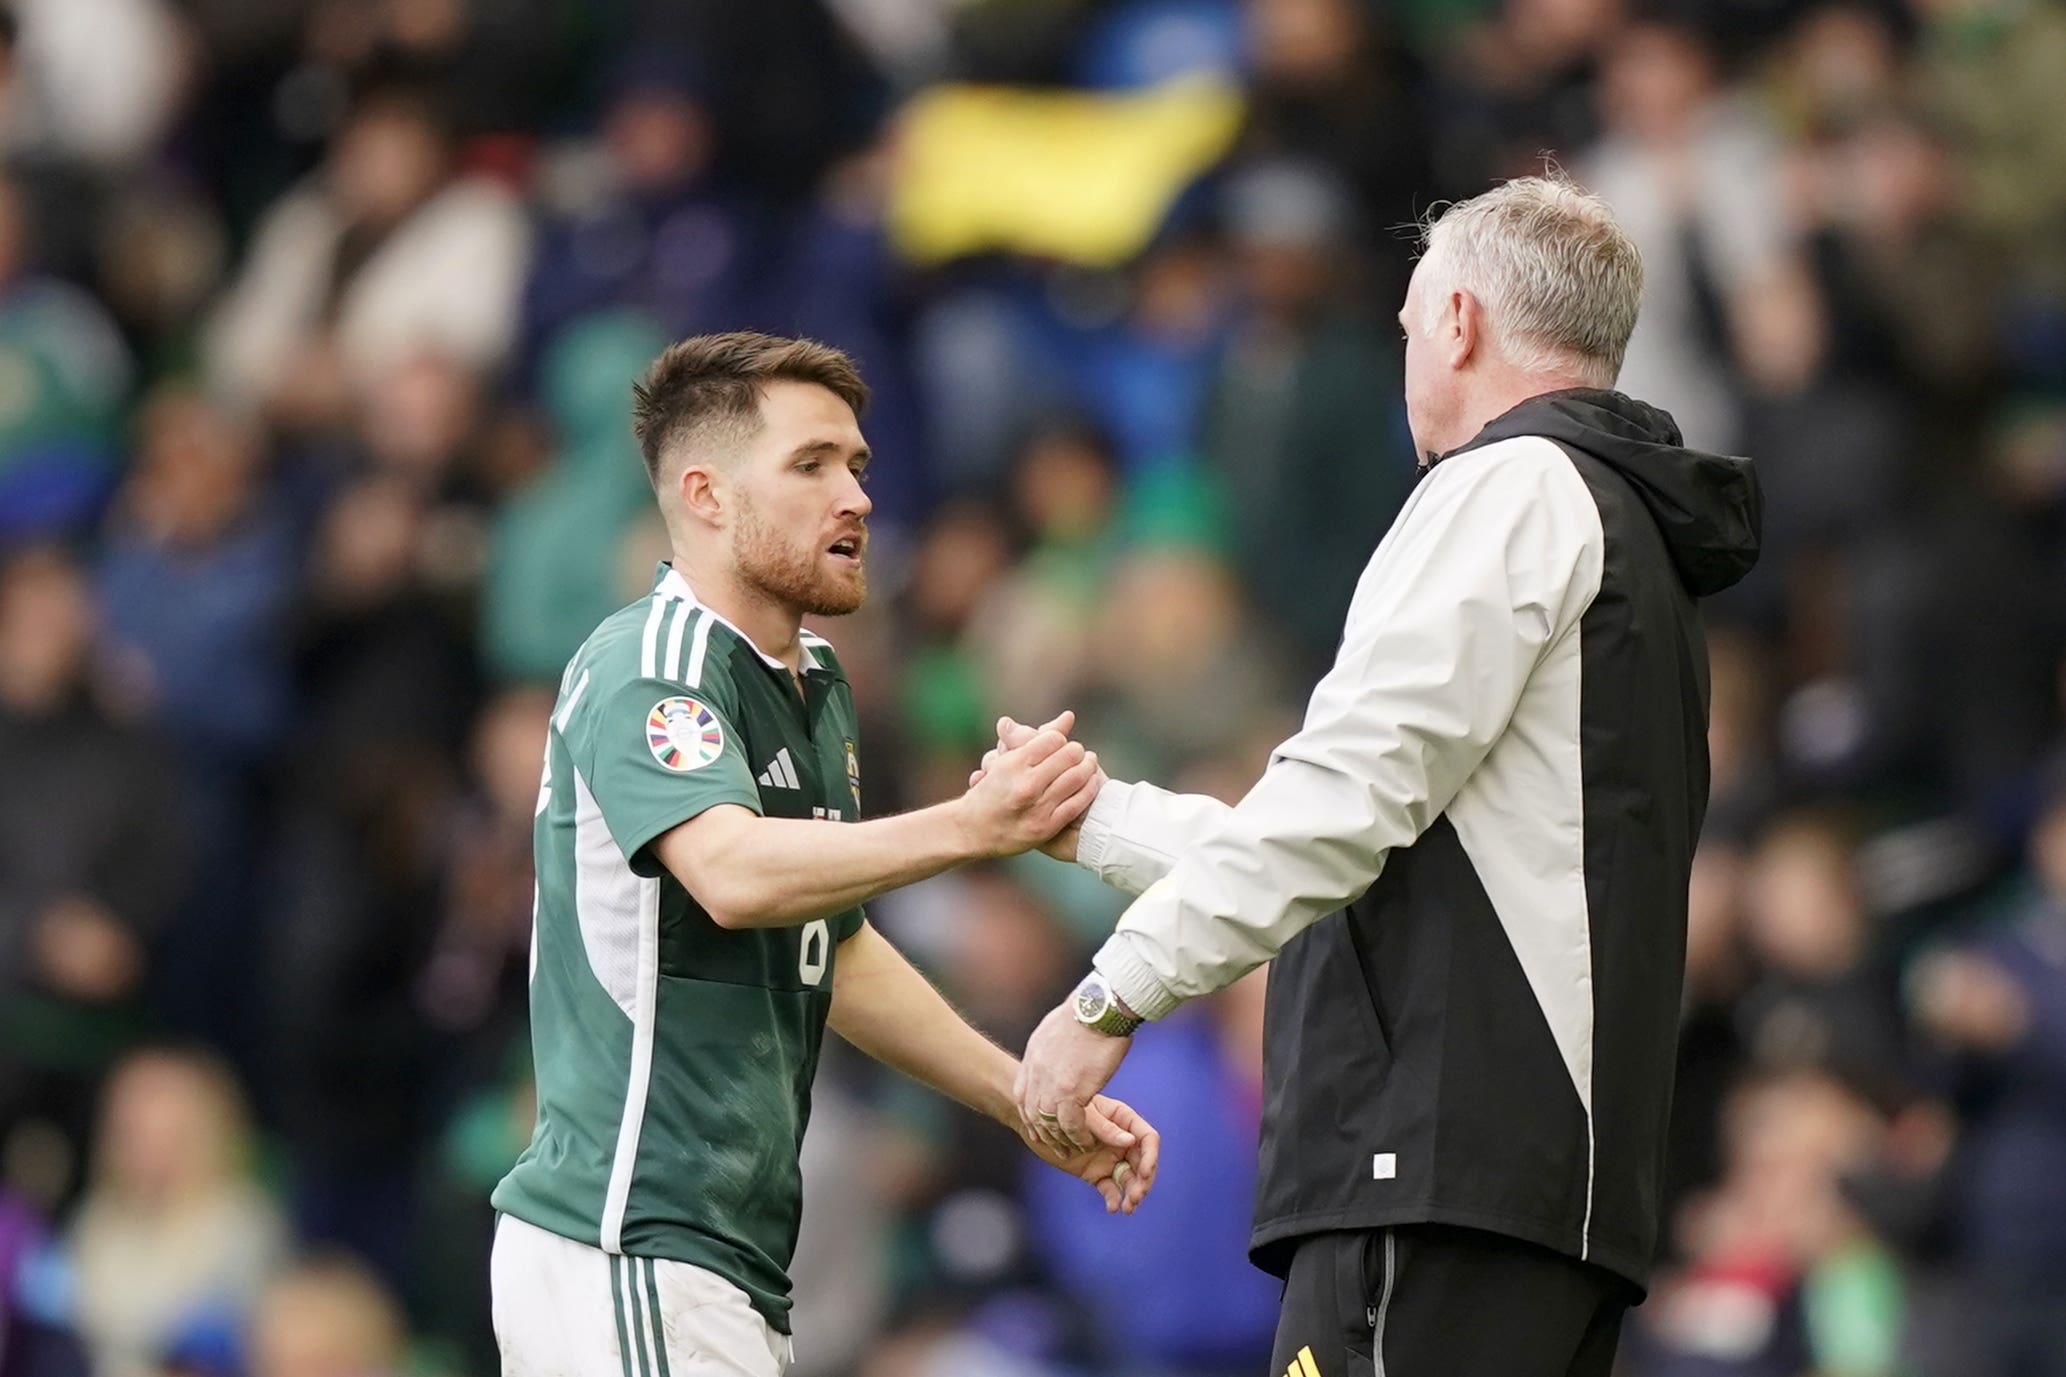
<point x="93" y="862"/>
<point x="1183" y="671"/>
<point x="1144" y="373"/>
<point x="173" y="1241"/>
<point x="1298" y="429"/>
<point x="1515" y="81"/>
<point x="1693" y="170"/>
<point x="648" y="226"/>
<point x="60" y="425"/>
<point x="1028" y="637"/>
<point x="473" y="984"/>
<point x="1783" y="1276"/>
<point x="197" y="575"/>
<point x="954" y="667"/>
<point x="839" y="282"/>
<point x="387" y="687"/>
<point x="385" y="251"/>
<point x="197" y="578"/>
<point x="1712" y="1057"/>
<point x="36" y="1339"/>
<point x="1823" y="997"/>
<point x="327" y="1316"/>
<point x="1332" y="84"/>
<point x="556" y="555"/>
<point x="99" y="83"/>
<point x="1984" y="69"/>
<point x="1997" y="1005"/>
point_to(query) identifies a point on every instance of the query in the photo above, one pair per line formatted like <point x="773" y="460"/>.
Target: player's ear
<point x="701" y="490"/>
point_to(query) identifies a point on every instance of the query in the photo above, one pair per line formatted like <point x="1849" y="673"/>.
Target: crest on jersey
<point x="683" y="734"/>
<point x="853" y="774"/>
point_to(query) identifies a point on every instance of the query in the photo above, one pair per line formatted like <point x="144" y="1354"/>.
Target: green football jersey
<point x="674" y="1058"/>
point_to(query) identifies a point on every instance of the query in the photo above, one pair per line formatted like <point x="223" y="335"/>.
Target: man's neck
<point x="771" y="627"/>
<point x="1501" y="394"/>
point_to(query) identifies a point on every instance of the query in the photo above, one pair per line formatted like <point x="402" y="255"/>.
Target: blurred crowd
<point x="317" y="319"/>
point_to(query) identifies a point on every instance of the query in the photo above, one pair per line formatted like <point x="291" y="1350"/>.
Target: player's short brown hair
<point x="710" y="381"/>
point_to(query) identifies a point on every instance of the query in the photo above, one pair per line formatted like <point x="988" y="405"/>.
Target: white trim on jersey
<point x="566" y="712"/>
<point x="699" y="648"/>
<point x="607" y="901"/>
<point x="682" y="614"/>
<point x="645" y="1005"/>
<point x="675" y="586"/>
<point x="649" y="646"/>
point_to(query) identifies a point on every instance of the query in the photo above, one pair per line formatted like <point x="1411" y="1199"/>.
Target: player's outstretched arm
<point x="751" y="871"/>
<point x="884" y="1007"/>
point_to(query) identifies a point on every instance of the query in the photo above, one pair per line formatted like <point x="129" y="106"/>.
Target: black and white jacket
<point x="1470" y="864"/>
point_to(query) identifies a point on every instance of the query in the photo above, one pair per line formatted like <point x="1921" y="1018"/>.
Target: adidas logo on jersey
<point x="781" y="772"/>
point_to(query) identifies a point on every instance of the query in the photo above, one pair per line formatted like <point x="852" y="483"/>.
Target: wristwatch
<point x="1099" y="1010"/>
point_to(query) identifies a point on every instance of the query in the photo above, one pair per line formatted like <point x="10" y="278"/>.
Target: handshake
<point x="1031" y="790"/>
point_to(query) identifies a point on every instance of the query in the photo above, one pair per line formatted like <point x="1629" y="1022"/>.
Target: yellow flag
<point x="1072" y="175"/>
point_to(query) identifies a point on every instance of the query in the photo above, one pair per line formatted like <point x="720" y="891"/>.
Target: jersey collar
<point x="668" y="583"/>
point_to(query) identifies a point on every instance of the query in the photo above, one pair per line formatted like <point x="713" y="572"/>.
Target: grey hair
<point x="1558" y="277"/>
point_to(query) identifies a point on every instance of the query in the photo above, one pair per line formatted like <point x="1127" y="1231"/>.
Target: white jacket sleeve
<point x="1477" y="578"/>
<point x="1134" y="833"/>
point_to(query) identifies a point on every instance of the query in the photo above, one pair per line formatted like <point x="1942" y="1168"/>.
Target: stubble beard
<point x="792" y="575"/>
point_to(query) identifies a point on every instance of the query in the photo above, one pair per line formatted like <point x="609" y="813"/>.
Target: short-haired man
<point x="700" y="876"/>
<point x="1471" y="863"/>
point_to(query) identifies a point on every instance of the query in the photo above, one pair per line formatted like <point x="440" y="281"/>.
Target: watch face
<point x="1092" y="999"/>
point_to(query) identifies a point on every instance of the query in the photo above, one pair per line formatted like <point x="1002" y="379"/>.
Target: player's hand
<point x="1010" y="735"/>
<point x="1121" y="1163"/>
<point x="1065" y="1066"/>
<point x="1026" y="795"/>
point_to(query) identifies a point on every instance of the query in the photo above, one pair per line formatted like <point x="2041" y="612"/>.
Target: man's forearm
<point x="885" y="1008"/>
<point x="1134" y="834"/>
<point x="752" y="871"/>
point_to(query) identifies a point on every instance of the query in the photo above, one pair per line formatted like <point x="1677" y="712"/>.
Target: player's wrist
<point x="971" y="838"/>
<point x="1000" y="1099"/>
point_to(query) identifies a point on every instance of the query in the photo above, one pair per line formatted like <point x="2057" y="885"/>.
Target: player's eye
<point x="807" y="466"/>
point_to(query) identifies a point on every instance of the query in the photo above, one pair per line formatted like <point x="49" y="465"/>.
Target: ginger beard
<point x="792" y="573"/>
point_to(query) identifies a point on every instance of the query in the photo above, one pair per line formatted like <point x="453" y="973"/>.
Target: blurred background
<point x="316" y="324"/>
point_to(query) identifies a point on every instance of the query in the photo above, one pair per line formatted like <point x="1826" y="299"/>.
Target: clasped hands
<point x="1062" y="1115"/>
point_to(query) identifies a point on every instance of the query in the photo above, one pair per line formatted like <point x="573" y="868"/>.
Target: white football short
<point x="568" y="1309"/>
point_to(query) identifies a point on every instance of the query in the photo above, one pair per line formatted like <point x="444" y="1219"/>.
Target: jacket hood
<point x="1709" y="507"/>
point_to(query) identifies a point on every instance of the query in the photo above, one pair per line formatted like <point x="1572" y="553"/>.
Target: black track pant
<point x="1432" y="1300"/>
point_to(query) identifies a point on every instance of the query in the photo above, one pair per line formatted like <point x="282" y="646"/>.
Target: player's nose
<point x="854" y="500"/>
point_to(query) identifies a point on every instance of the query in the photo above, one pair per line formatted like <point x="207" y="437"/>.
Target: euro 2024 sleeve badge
<point x="853" y="775"/>
<point x="683" y="734"/>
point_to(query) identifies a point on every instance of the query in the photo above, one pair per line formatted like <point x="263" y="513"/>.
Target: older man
<point x="1471" y="863"/>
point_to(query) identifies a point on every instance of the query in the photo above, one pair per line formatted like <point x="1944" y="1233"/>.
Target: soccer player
<point x="700" y="876"/>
